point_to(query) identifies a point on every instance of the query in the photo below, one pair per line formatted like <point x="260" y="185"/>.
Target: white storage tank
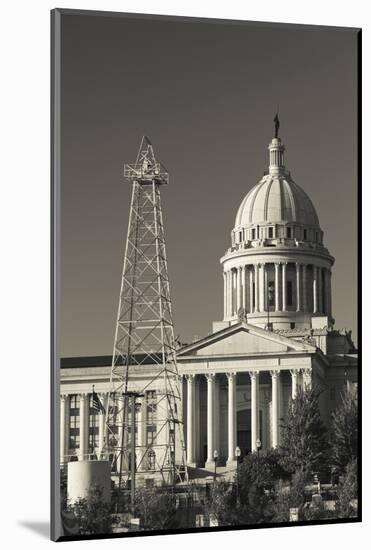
<point x="84" y="474"/>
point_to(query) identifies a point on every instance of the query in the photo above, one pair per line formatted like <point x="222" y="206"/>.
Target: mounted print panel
<point x="205" y="178"/>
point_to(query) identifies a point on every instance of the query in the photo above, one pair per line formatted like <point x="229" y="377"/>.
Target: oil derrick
<point x="144" y="342"/>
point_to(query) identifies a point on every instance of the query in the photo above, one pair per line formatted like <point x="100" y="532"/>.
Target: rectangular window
<point x="253" y="233"/>
<point x="289" y="232"/>
<point x="305" y="234"/>
<point x="240" y="236"/>
<point x="74" y="442"/>
<point x="93" y="426"/>
<point x="289" y="293"/>
<point x="151" y="417"/>
<point x="270" y="232"/>
<point x="292" y="325"/>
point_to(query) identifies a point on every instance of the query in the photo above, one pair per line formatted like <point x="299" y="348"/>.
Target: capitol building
<point x="277" y="335"/>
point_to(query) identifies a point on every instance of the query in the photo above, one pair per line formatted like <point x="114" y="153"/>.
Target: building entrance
<point x="244" y="430"/>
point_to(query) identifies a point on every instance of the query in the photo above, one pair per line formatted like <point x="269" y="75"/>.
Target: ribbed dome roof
<point x="276" y="198"/>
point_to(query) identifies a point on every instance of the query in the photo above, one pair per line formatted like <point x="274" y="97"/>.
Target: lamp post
<point x="215" y="455"/>
<point x="238" y="454"/>
<point x="317" y="482"/>
<point x="258" y="447"/>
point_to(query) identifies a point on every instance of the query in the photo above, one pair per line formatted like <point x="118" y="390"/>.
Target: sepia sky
<point x="206" y="94"/>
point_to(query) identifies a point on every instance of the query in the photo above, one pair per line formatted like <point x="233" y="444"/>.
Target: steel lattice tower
<point x="145" y="336"/>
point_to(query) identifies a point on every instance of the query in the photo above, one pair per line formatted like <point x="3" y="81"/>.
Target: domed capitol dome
<point x="276" y="198"/>
<point x="277" y="270"/>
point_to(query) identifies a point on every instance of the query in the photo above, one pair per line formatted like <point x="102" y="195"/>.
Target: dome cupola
<point x="276" y="208"/>
<point x="277" y="239"/>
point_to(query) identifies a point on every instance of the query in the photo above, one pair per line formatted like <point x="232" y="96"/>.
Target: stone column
<point x="294" y="383"/>
<point x="197" y="431"/>
<point x="232" y="419"/>
<point x="254" y="375"/>
<point x="328" y="292"/>
<point x="238" y="289"/>
<point x="256" y="274"/>
<point x="142" y="434"/>
<point x="320" y="291"/>
<point x="265" y="430"/>
<point x="234" y="308"/>
<point x="243" y="286"/>
<point x="84" y="426"/>
<point x="315" y="290"/>
<point x="229" y="293"/>
<point x="276" y="286"/>
<point x="298" y="301"/>
<point x="102" y="424"/>
<point x="210" y="419"/>
<point x="275" y="407"/>
<point x="325" y="303"/>
<point x="284" y="286"/>
<point x="190" y="419"/>
<point x="251" y="309"/>
<point x="64" y="427"/>
<point x="304" y="288"/>
<point x="225" y="294"/>
<point x="262" y="287"/>
<point x="217" y="415"/>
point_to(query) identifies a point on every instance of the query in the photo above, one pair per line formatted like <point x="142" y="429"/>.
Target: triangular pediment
<point x="241" y="339"/>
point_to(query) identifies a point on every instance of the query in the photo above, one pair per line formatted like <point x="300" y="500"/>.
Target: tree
<point x="92" y="512"/>
<point x="348" y="492"/>
<point x="345" y="432"/>
<point x="155" y="509"/>
<point x="304" y="436"/>
<point x="222" y="503"/>
<point x="252" y="503"/>
<point x="289" y="496"/>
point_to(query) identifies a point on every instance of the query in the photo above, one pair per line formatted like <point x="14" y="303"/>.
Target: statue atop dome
<point x="276" y="121"/>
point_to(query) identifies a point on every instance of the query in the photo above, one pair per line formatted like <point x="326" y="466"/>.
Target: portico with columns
<point x="243" y="396"/>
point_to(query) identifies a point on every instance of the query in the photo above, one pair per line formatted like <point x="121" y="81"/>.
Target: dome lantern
<point x="276" y="150"/>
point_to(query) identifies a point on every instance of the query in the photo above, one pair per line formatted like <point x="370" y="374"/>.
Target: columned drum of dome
<point x="277" y="270"/>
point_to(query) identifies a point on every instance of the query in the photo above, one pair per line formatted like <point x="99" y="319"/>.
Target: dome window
<point x="305" y="235"/>
<point x="270" y="232"/>
<point x="240" y="236"/>
<point x="289" y="293"/>
<point x="253" y="232"/>
<point x="289" y="232"/>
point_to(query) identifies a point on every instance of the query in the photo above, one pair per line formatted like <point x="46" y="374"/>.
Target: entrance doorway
<point x="244" y="431"/>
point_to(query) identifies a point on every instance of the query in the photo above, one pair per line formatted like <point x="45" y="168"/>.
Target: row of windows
<point x="290" y="233"/>
<point x="74" y="421"/>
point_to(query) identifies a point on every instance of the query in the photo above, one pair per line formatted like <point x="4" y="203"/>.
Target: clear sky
<point x="206" y="94"/>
